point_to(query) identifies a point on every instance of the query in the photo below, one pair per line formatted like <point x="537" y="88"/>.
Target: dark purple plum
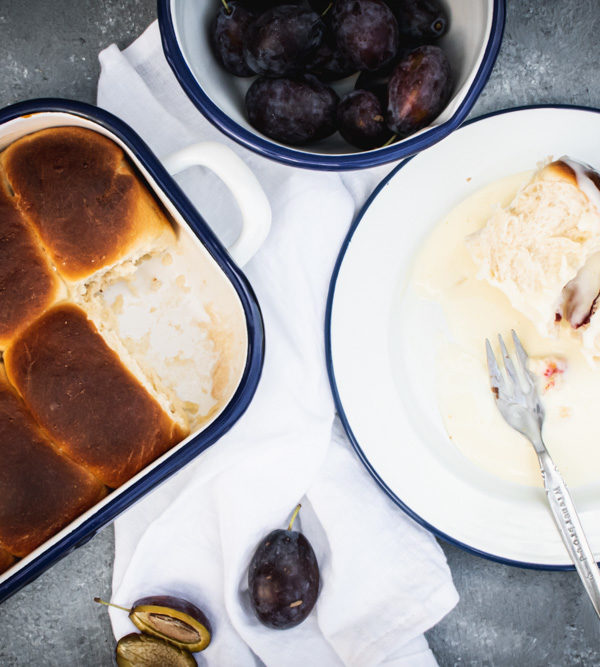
<point x="361" y="120"/>
<point x="171" y="619"/>
<point x="293" y="111"/>
<point x="283" y="579"/>
<point x="328" y="63"/>
<point x="420" y="21"/>
<point x="377" y="81"/>
<point x="227" y="35"/>
<point x="418" y="90"/>
<point x="281" y="40"/>
<point x="374" y="82"/>
<point x="366" y="32"/>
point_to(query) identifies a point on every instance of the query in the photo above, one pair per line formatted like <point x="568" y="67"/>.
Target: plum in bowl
<point x="470" y="42"/>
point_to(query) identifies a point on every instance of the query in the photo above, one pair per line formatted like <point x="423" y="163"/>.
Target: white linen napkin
<point x="384" y="579"/>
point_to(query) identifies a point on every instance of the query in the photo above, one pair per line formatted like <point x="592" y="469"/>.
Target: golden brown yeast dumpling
<point x="87" y="204"/>
<point x="28" y="284"/>
<point x="41" y="491"/>
<point x="92" y="406"/>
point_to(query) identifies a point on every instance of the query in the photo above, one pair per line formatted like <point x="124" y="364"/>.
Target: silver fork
<point x="518" y="401"/>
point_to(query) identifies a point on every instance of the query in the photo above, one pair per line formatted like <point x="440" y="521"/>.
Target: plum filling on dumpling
<point x="580" y="295"/>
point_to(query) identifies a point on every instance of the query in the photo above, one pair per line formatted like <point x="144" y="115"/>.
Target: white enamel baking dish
<point x="212" y="282"/>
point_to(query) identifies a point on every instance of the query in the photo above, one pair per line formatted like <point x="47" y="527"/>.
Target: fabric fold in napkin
<point x="385" y="580"/>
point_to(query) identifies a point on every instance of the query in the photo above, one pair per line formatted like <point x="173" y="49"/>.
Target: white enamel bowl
<point x="381" y="362"/>
<point x="472" y="43"/>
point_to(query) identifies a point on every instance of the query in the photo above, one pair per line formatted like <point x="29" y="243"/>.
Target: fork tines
<point x="497" y="379"/>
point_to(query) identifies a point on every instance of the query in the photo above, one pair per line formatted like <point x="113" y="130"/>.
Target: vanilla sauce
<point x="569" y="383"/>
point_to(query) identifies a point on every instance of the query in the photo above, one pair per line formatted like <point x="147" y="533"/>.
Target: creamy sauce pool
<point x="444" y="272"/>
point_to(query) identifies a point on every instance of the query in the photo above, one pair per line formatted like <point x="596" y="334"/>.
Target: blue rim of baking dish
<point x="332" y="381"/>
<point x="296" y="158"/>
<point x="255" y="353"/>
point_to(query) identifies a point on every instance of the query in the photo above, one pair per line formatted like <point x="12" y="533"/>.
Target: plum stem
<point x="329" y="6"/>
<point x="227" y="7"/>
<point x="294" y="515"/>
<point x="389" y="141"/>
<point x="111" y="604"/>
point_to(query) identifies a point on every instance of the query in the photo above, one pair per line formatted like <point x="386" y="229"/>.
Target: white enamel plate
<point x="381" y="366"/>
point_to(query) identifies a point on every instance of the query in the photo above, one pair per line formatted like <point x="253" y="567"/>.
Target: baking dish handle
<point x="243" y="184"/>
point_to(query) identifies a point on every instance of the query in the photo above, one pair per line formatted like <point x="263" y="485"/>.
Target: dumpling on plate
<point x="543" y="249"/>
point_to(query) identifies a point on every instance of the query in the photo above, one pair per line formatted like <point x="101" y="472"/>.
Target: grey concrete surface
<point x="50" y="48"/>
<point x="506" y="616"/>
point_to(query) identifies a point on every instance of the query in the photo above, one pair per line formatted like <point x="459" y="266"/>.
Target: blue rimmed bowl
<point x="472" y="44"/>
<point x="236" y="297"/>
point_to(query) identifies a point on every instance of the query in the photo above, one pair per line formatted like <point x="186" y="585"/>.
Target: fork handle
<point x="570" y="528"/>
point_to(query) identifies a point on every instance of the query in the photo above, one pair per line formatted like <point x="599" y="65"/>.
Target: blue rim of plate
<point x="254" y="322"/>
<point x="330" y="370"/>
<point x="290" y="156"/>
